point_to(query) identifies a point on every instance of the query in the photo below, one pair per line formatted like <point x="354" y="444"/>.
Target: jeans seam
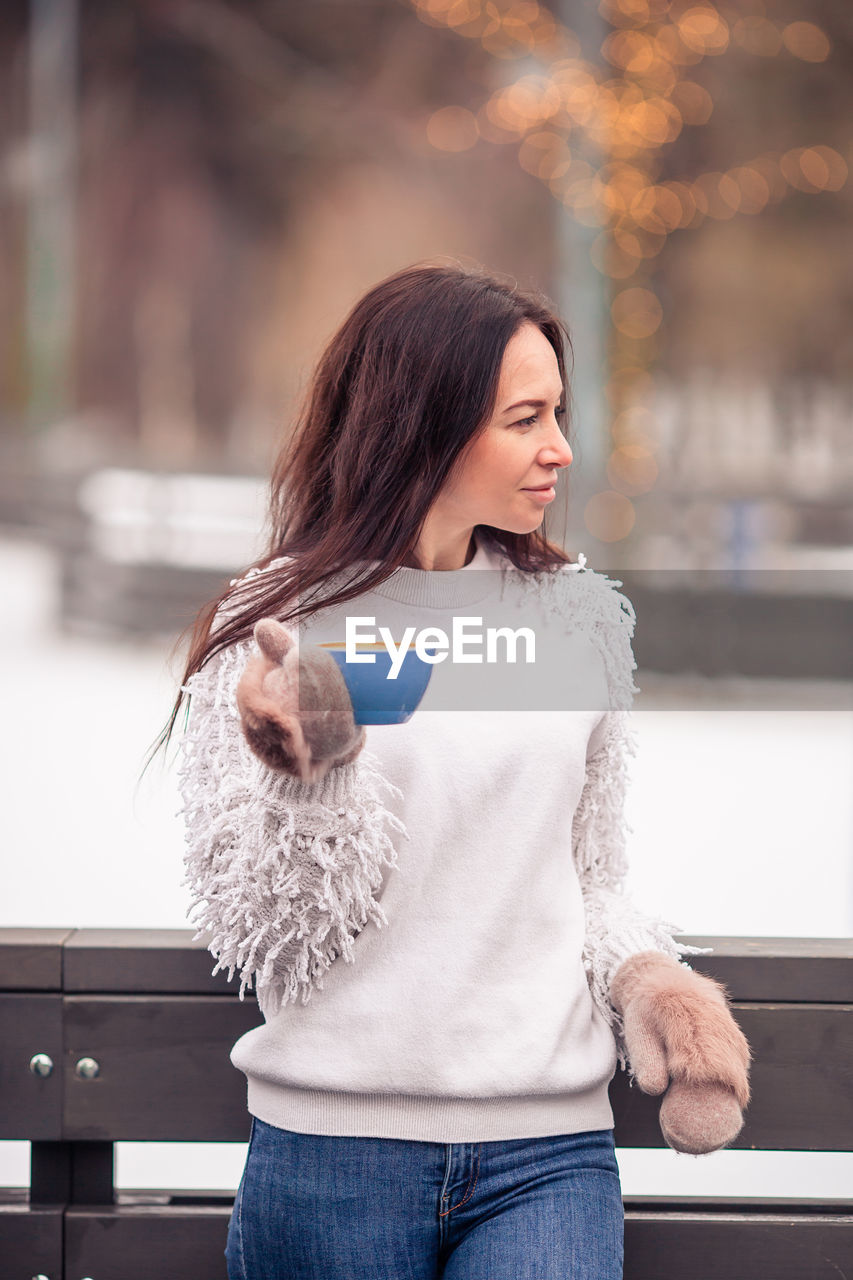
<point x="469" y="1190"/>
<point x="240" y="1235"/>
<point x="240" y="1211"/>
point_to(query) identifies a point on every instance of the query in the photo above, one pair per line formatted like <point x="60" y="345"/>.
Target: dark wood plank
<point x="31" y="959"/>
<point x="733" y="1246"/>
<point x="188" y="1243"/>
<point x="30" y="1105"/>
<point x="165" y="1073"/>
<point x="800" y="1077"/>
<point x="139" y="1242"/>
<point x="143" y="960"/>
<point x="167" y="960"/>
<point x="817" y="970"/>
<point x="30" y="1239"/>
<point x="794" y="1205"/>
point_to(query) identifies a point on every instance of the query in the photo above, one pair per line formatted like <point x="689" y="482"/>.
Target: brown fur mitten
<point x="680" y="1033"/>
<point x="295" y="708"/>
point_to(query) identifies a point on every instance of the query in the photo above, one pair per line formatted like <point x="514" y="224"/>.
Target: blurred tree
<point x="247" y="169"/>
<point x="698" y="150"/>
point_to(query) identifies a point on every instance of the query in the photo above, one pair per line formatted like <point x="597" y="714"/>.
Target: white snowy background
<point x="743" y="825"/>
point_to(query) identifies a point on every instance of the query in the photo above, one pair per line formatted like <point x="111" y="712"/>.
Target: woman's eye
<point x="530" y="422"/>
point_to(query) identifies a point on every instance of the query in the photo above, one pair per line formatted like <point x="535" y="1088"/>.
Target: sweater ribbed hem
<point x="428" y="1119"/>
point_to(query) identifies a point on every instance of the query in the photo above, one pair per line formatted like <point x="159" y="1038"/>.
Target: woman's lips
<point x="544" y="495"/>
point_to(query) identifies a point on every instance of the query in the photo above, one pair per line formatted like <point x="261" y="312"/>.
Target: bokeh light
<point x="545" y="154"/>
<point x="631" y="383"/>
<point x="609" y="516"/>
<point x="637" y="425"/>
<point x="637" y="313"/>
<point x="693" y="101"/>
<point x="632" y="469"/>
<point x="612" y="259"/>
<point x="806" y="41"/>
<point x="452" y="129"/>
<point x="814" y="169"/>
<point x="702" y="29"/>
<point x="596" y="133"/>
<point x="753" y="187"/>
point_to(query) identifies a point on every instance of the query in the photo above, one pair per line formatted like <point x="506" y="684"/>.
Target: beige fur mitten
<point x="295" y="708"/>
<point x="681" y="1037"/>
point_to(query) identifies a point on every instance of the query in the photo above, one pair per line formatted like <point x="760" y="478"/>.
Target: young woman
<point x="433" y="911"/>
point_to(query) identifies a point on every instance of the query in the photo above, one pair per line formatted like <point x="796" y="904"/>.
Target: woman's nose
<point x="561" y="449"/>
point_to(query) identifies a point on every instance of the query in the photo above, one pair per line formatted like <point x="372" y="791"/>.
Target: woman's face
<point x="522" y="446"/>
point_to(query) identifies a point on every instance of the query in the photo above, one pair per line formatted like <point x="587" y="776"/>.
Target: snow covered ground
<point x="742" y="824"/>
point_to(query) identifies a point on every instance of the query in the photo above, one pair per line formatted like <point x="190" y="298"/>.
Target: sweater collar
<point x="445" y="588"/>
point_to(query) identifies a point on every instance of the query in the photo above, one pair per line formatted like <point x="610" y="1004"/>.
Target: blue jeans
<point x="314" y="1207"/>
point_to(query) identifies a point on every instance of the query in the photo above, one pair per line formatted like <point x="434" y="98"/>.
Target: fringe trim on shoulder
<point x="587" y="602"/>
<point x="282" y="873"/>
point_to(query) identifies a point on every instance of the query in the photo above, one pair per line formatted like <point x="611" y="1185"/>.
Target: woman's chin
<point x="516" y="526"/>
<point x="524" y="521"/>
<point x="532" y="523"/>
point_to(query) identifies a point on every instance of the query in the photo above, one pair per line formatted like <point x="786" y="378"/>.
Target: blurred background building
<point x="196" y="191"/>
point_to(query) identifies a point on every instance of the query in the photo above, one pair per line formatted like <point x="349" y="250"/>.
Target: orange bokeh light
<point x="806" y="41"/>
<point x="703" y="30"/>
<point x="609" y="516"/>
<point x="611" y="259"/>
<point x="753" y="186"/>
<point x="637" y="425"/>
<point x="632" y="469"/>
<point x="693" y="101"/>
<point x="452" y="129"/>
<point x="636" y="313"/>
<point x="814" y="169"/>
<point x="630" y="383"/>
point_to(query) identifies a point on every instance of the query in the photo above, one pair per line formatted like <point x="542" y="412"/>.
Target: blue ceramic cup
<point x="376" y="699"/>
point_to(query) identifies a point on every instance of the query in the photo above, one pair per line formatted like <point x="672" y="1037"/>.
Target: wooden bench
<point x="143" y="1006"/>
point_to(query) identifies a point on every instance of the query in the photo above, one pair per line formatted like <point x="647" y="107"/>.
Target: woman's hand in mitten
<point x="680" y="1033"/>
<point x="295" y="708"/>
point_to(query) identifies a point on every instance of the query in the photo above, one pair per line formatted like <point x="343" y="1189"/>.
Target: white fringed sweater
<point x="432" y="929"/>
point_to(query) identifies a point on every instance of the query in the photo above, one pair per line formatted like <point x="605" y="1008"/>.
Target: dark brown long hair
<point x="407" y="382"/>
